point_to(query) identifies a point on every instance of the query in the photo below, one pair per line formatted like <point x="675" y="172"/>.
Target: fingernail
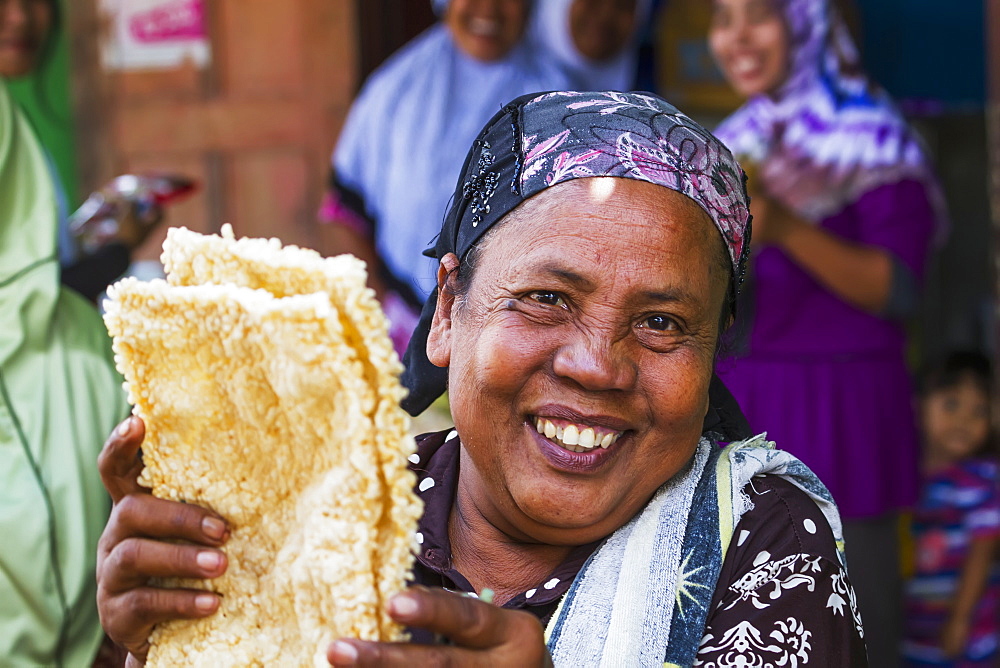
<point x="213" y="527"/>
<point x="403" y="606"/>
<point x="125" y="427"/>
<point x="209" y="560"/>
<point x="345" y="652"/>
<point x="206" y="602"/>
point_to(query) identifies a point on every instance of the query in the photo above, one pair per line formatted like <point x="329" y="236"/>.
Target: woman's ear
<point x="439" y="338"/>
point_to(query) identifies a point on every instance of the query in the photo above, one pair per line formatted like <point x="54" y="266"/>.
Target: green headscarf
<point x="59" y="399"/>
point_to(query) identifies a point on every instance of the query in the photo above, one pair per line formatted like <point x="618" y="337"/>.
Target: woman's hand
<point x="860" y="275"/>
<point x="133" y="549"/>
<point x="481" y="635"/>
<point x="136" y="221"/>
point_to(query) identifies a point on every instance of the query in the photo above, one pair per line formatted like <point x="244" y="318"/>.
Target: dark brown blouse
<point x="782" y="597"/>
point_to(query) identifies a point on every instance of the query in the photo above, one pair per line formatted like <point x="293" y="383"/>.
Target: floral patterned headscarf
<point x="540" y="140"/>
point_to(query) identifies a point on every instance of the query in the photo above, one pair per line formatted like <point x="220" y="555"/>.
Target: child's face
<point x="956" y="420"/>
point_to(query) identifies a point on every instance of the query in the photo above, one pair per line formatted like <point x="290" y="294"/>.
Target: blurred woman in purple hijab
<point x="846" y="208"/>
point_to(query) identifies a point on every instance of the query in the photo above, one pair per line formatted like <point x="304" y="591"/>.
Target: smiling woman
<point x="595" y="243"/>
<point x="594" y="42"/>
<point x="614" y="335"/>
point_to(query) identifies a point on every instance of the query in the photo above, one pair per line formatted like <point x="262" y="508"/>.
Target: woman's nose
<point x="595" y="360"/>
<point x="737" y="28"/>
<point x="740" y="31"/>
<point x="486" y="8"/>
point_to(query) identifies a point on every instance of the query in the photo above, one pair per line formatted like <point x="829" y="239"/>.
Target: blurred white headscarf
<point x="406" y="135"/>
<point x="550" y="35"/>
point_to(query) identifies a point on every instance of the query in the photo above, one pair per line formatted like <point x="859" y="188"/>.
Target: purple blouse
<point x="827" y="381"/>
<point x="794" y="315"/>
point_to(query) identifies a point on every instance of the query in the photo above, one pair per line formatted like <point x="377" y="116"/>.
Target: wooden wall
<point x="256" y="127"/>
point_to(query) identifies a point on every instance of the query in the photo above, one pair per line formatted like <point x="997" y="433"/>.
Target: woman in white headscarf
<point x="595" y="43"/>
<point x="404" y="142"/>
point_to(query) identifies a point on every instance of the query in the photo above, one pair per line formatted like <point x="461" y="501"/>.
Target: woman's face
<point x="592" y="318"/>
<point x="601" y="28"/>
<point x="486" y="29"/>
<point x="750" y="42"/>
<point x="24" y="28"/>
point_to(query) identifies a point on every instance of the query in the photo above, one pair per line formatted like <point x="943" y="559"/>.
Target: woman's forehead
<point x="605" y="219"/>
<point x="626" y="205"/>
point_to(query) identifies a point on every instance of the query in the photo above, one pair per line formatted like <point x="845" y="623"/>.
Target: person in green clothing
<point x="59" y="396"/>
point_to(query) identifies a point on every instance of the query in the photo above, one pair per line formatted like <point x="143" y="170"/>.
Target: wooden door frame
<point x="386" y="25"/>
<point x="993" y="134"/>
<point x="89" y="92"/>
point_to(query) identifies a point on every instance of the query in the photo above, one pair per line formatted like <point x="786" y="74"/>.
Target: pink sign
<point x="156" y="34"/>
<point x="181" y="19"/>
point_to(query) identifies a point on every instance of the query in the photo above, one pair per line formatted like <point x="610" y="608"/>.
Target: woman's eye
<point x="548" y="298"/>
<point x="720" y="18"/>
<point x="659" y="323"/>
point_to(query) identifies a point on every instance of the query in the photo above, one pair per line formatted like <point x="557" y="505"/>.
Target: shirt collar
<point x="436" y="463"/>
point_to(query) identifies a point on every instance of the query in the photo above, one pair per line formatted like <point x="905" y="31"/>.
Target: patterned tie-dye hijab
<point x="829" y="134"/>
<point x="540" y="140"/>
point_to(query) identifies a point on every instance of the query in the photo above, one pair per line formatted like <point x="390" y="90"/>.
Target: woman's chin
<point x="566" y="506"/>
<point x="568" y="525"/>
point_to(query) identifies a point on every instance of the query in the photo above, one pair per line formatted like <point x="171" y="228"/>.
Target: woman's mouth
<point x="483" y="28"/>
<point x="17" y="45"/>
<point x="745" y="66"/>
<point x="576" y="437"/>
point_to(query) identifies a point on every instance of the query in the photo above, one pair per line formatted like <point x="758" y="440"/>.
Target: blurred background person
<point x="403" y="144"/>
<point x="594" y="42"/>
<point x="845" y="211"/>
<point x="26" y="44"/>
<point x="953" y="599"/>
<point x="59" y="393"/>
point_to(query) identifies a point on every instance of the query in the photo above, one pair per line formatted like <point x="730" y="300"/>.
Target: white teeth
<point x="744" y="65"/>
<point x="574" y="438"/>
